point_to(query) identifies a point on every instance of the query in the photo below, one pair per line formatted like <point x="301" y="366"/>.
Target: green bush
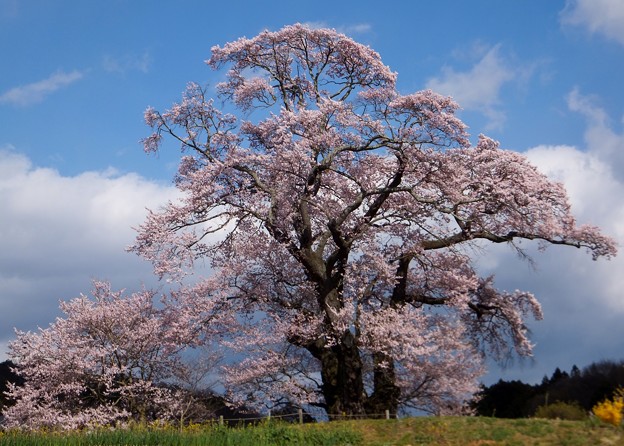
<point x="561" y="411"/>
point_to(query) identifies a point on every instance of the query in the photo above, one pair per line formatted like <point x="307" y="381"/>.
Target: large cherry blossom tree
<point x="337" y="216"/>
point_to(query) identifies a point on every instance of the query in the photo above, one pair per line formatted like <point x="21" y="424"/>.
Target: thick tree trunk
<point x="386" y="393"/>
<point x="341" y="363"/>
<point x="343" y="385"/>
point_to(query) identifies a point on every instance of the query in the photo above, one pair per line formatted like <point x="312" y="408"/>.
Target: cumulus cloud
<point x="582" y="299"/>
<point x="479" y="87"/>
<point x="594" y="180"/>
<point x="37" y="91"/>
<point x="595" y="195"/>
<point x="604" y="17"/>
<point x="58" y="233"/>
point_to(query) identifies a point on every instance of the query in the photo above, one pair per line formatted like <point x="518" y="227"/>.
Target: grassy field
<point x="445" y="431"/>
<point x="481" y="431"/>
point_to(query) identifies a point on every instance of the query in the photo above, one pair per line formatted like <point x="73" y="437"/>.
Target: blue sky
<point x="543" y="77"/>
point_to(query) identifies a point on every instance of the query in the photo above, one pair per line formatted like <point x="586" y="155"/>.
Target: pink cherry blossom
<point x="104" y="362"/>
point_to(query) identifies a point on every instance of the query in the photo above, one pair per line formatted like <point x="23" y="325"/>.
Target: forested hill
<point x="586" y="387"/>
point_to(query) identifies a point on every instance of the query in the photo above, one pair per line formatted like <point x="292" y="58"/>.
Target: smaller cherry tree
<point x="105" y="362"/>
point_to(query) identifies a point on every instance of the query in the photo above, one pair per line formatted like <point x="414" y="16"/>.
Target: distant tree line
<point x="586" y="387"/>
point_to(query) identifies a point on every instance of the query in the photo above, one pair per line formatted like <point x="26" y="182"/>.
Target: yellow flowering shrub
<point x="610" y="411"/>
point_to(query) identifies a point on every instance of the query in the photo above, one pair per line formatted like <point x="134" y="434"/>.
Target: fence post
<point x="387" y="414"/>
<point x="300" y="416"/>
<point x="269" y="416"/>
<point x="220" y="420"/>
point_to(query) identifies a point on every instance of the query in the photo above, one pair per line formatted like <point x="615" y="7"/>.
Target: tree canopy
<point x="336" y="215"/>
<point x="105" y="362"/>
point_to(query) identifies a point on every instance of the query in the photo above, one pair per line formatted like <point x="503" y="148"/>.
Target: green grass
<point x="481" y="431"/>
<point x="444" y="431"/>
<point x="268" y="434"/>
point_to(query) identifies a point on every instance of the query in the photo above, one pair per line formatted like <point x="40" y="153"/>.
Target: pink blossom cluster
<point x="105" y="362"/>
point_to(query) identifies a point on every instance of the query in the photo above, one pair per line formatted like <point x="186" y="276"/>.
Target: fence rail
<point x="299" y="416"/>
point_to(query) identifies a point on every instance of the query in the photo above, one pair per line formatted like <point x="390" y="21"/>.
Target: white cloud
<point x="357" y="28"/>
<point x="597" y="16"/>
<point x="595" y="191"/>
<point x="594" y="180"/>
<point x="599" y="136"/>
<point x="586" y="178"/>
<point x="59" y="232"/>
<point x="37" y="91"/>
<point x="582" y="299"/>
<point x="478" y="88"/>
<point x="316" y="25"/>
<point x="587" y="106"/>
<point x="127" y="63"/>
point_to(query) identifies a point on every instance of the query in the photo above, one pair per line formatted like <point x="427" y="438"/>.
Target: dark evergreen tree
<point x="7" y="375"/>
<point x="506" y="399"/>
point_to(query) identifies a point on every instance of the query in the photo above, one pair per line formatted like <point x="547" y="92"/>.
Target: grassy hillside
<point x="443" y="431"/>
<point x="480" y="431"/>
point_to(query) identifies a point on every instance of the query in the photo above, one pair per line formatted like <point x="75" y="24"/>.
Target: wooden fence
<point x="299" y="415"/>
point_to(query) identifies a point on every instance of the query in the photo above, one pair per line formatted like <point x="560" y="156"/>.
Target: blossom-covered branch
<point x="334" y="213"/>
